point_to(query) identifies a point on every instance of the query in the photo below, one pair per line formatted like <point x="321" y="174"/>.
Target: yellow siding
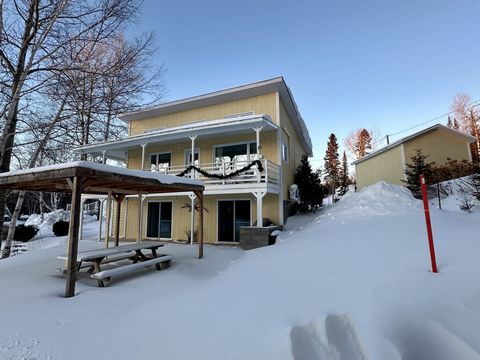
<point x="181" y="215"/>
<point x="439" y="145"/>
<point x="387" y="166"/>
<point x="262" y="104"/>
<point x="295" y="149"/>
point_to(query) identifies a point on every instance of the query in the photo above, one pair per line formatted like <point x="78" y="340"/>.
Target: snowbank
<point x="378" y="199"/>
<point x="330" y="289"/>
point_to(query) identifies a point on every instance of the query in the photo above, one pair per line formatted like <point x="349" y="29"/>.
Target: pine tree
<point x="309" y="186"/>
<point x="449" y="122"/>
<point x="456" y="125"/>
<point x="332" y="161"/>
<point x="416" y="166"/>
<point x="344" y="176"/>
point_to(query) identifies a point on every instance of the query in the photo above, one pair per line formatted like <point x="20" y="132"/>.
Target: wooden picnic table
<point x="134" y="252"/>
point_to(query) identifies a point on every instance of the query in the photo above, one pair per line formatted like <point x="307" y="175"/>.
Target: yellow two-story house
<point x="240" y="130"/>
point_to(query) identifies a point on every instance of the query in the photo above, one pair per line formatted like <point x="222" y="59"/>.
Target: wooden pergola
<point x="92" y="178"/>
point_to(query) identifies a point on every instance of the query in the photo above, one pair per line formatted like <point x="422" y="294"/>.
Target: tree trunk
<point x="21" y="196"/>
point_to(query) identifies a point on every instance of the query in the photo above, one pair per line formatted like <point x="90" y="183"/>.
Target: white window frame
<point x="156" y="165"/>
<point x="160" y="211"/>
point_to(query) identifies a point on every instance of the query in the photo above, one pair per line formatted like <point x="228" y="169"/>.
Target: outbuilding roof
<point x="467" y="137"/>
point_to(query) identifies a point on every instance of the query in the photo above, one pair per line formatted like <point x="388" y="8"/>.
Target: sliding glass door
<point x="159" y="220"/>
<point x="231" y="215"/>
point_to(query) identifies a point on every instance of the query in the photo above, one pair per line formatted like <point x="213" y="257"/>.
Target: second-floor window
<point x="160" y="162"/>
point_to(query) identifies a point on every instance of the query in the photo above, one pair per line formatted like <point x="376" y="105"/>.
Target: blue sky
<point x="374" y="63"/>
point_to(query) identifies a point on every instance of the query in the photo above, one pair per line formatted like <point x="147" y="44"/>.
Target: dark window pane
<point x="242" y="216"/>
<point x="153" y="160"/>
<point x="166" y="220"/>
<point x="165" y="158"/>
<point x="253" y="148"/>
<point x="225" y="221"/>
<point x="231" y="151"/>
<point x="152" y="219"/>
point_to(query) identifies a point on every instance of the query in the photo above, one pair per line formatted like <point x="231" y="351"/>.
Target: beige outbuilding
<point x="439" y="142"/>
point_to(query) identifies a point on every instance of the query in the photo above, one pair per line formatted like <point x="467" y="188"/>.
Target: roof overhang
<point x="204" y="129"/>
<point x="97" y="179"/>
<point x="232" y="94"/>
<point x="468" y="138"/>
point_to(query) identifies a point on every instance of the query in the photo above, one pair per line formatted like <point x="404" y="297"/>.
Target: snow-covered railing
<point x="270" y="173"/>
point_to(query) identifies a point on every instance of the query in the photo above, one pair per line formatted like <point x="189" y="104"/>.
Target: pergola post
<point x="73" y="237"/>
<point x="119" y="198"/>
<point x="199" y="195"/>
<point x="107" y="220"/>
<point x="140" y="218"/>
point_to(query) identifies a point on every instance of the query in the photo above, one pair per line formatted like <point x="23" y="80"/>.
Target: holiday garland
<point x="222" y="177"/>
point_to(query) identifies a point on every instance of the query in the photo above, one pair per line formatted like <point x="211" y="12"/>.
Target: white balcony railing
<point x="270" y="173"/>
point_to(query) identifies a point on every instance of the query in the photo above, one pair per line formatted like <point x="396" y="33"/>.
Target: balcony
<point x="269" y="177"/>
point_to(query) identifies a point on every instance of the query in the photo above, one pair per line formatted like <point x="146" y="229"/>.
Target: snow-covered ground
<point x="350" y="282"/>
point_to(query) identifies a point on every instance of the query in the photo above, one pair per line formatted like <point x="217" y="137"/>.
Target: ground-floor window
<point x="159" y="220"/>
<point x="231" y="215"/>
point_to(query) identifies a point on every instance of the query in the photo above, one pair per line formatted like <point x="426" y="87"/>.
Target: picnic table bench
<point x="93" y="260"/>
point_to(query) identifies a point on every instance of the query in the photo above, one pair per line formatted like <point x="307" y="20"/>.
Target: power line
<point x="476" y="102"/>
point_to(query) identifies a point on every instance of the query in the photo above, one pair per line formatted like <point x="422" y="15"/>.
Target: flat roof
<point x="98" y="179"/>
<point x="469" y="138"/>
<point x="276" y="84"/>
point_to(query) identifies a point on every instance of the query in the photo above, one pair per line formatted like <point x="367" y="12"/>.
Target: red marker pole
<point x="429" y="224"/>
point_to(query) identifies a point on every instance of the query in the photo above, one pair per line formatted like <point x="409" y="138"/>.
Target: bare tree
<point x="33" y="36"/>
<point x="468" y="115"/>
<point x="360" y="142"/>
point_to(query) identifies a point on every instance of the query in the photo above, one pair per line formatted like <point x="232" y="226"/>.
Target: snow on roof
<point x="162" y="178"/>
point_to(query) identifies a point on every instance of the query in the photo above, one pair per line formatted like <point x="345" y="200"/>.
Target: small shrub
<point x="466" y="204"/>
<point x="60" y="228"/>
<point x="25" y="233"/>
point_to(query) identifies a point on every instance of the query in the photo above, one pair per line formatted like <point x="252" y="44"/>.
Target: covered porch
<point x="93" y="178"/>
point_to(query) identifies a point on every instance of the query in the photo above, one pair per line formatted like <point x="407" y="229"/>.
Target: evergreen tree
<point x="456" y="125"/>
<point x="309" y="186"/>
<point x="344" y="176"/>
<point x="332" y="161"/>
<point x="416" y="166"/>
<point x="449" y="122"/>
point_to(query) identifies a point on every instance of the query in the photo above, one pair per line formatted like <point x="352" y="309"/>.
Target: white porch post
<point x="257" y="130"/>
<point x="107" y="224"/>
<point x="192" y="155"/>
<point x="125" y="219"/>
<point x="104" y="156"/>
<point x="82" y="204"/>
<point x="100" y="219"/>
<point x="144" y="145"/>
<point x="140" y="218"/>
<point x="259" y="195"/>
<point x="192" y="218"/>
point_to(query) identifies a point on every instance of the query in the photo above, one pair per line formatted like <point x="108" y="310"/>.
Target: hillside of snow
<point x="350" y="282"/>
